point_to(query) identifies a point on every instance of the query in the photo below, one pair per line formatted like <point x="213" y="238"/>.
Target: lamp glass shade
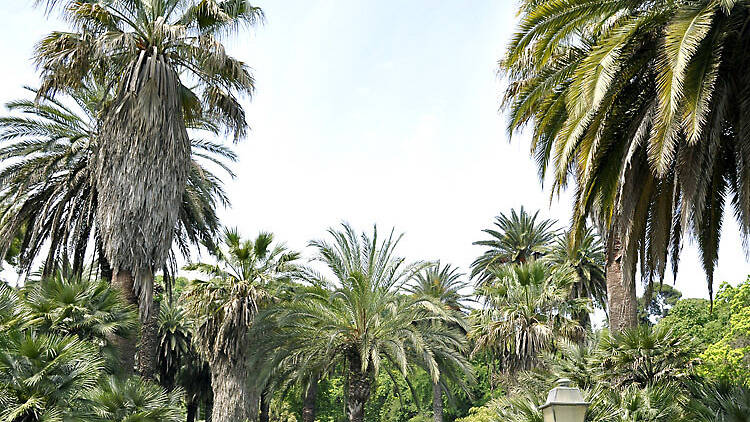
<point x="565" y="413"/>
<point x="564" y="404"/>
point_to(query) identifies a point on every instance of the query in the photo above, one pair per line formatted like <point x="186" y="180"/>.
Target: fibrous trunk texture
<point x="309" y="398"/>
<point x="359" y="389"/>
<point x="148" y="347"/>
<point x="123" y="282"/>
<point x="141" y="171"/>
<point x="234" y="400"/>
<point x="437" y="402"/>
<point x="620" y="289"/>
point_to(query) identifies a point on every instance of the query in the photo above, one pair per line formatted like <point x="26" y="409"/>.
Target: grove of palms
<point x="135" y="302"/>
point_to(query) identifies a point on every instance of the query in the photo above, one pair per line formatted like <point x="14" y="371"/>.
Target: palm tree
<point x="360" y="318"/>
<point x="49" y="198"/>
<point x="636" y="106"/>
<point x="65" y="304"/>
<point x="515" y="239"/>
<point x="645" y="356"/>
<point x="527" y="308"/>
<point x="45" y="376"/>
<point x="135" y="399"/>
<point x="175" y="337"/>
<point x="586" y="258"/>
<point x="224" y="307"/>
<point x="170" y="70"/>
<point x="443" y="284"/>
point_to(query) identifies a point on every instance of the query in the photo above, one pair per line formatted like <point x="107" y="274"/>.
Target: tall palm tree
<point x="242" y="282"/>
<point x="170" y="68"/>
<point x="48" y="198"/>
<point x="636" y="105"/>
<point x="586" y="258"/>
<point x="526" y="309"/>
<point x="516" y="238"/>
<point x="444" y="284"/>
<point x="361" y="317"/>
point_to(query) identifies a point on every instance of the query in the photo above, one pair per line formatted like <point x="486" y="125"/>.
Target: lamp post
<point x="564" y="404"/>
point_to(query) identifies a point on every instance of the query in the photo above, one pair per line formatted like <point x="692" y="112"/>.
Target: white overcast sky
<point x="374" y="112"/>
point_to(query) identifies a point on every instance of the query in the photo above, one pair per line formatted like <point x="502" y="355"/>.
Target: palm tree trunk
<point x="308" y="401"/>
<point x="233" y="399"/>
<point x="437" y="402"/>
<point x="148" y="348"/>
<point x="359" y="389"/>
<point x="192" y="410"/>
<point x="623" y="305"/>
<point x="265" y="406"/>
<point x="123" y="282"/>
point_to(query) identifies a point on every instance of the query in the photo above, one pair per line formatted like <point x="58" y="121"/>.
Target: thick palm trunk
<point x="622" y="301"/>
<point x="308" y="401"/>
<point x="141" y="171"/>
<point x="359" y="389"/>
<point x="234" y="401"/>
<point x="437" y="402"/>
<point x="123" y="282"/>
<point x="148" y="347"/>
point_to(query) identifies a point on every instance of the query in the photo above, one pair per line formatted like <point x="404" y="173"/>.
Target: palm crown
<point x="635" y="99"/>
<point x="516" y="238"/>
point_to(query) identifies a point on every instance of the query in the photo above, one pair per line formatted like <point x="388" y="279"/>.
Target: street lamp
<point x="564" y="404"/>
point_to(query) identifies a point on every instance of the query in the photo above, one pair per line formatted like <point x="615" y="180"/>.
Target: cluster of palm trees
<point x="58" y="360"/>
<point x="536" y="288"/>
<point x="259" y="321"/>
<point x="106" y="177"/>
<point x="110" y="155"/>
<point x="643" y="106"/>
<point x="264" y="321"/>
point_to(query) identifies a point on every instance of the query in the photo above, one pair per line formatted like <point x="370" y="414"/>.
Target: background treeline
<point x="267" y="333"/>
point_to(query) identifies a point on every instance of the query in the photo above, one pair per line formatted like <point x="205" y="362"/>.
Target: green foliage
<point x="135" y="399"/>
<point x="516" y="238"/>
<point x="695" y="318"/>
<point x="45" y="376"/>
<point x="528" y="307"/>
<point x="662" y="299"/>
<point x="645" y="356"/>
<point x="53" y="348"/>
<point x="69" y="304"/>
<point x="728" y="359"/>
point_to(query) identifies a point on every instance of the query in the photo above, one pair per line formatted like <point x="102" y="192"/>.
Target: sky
<point x="380" y="113"/>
